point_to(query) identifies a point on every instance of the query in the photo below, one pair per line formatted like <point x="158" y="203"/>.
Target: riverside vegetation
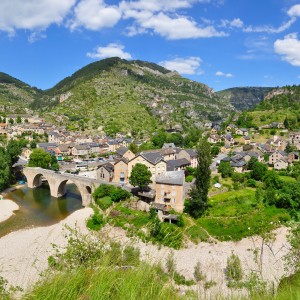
<point x="90" y="267"/>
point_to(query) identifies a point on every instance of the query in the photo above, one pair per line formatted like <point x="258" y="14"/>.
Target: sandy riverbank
<point x="213" y="259"/>
<point x="24" y="253"/>
<point x="7" y="208"/>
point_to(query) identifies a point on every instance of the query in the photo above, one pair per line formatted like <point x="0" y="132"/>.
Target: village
<point x="111" y="161"/>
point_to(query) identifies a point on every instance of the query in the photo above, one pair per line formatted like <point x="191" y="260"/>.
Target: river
<point x="38" y="208"/>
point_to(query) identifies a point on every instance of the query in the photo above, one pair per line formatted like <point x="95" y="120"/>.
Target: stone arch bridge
<point x="57" y="182"/>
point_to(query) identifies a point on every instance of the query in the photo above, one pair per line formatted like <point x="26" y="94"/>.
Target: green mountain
<point x="122" y="96"/>
<point x="244" y="98"/>
<point x="280" y="105"/>
<point x="15" y="95"/>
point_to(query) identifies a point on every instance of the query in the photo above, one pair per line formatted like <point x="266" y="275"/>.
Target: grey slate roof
<point x="46" y="145"/>
<point x="108" y="167"/>
<point x="168" y="145"/>
<point x="191" y="152"/>
<point x="171" y="177"/>
<point x="153" y="157"/>
<point x="175" y="163"/>
<point x="122" y="150"/>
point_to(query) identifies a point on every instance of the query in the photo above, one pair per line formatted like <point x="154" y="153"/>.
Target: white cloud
<point x="179" y="27"/>
<point x="32" y="15"/>
<point x="159" y="16"/>
<point x="94" y="15"/>
<point x="35" y="36"/>
<point x="227" y="75"/>
<point x="156" y="5"/>
<point x="189" y="65"/>
<point x="236" y="23"/>
<point x="289" y="49"/>
<point x="294" y="11"/>
<point x="111" y="50"/>
<point x="270" y="29"/>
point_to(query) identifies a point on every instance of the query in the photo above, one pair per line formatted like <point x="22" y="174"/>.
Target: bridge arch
<point x="57" y="183"/>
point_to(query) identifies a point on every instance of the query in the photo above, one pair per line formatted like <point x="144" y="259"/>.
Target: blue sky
<point x="222" y="43"/>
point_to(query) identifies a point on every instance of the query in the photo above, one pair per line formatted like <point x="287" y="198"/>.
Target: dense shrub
<point x="234" y="268"/>
<point x="119" y="194"/>
<point x="116" y="194"/>
<point x="104" y="203"/>
<point x="95" y="222"/>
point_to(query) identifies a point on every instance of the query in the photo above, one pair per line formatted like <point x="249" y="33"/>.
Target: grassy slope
<point x="15" y="94"/>
<point x="116" y="93"/>
<point x="278" y="107"/>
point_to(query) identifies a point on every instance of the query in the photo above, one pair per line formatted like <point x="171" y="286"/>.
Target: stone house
<point x="246" y="140"/>
<point x="277" y="155"/>
<point x="168" y="153"/>
<point x="256" y="154"/>
<point x="293" y="156"/>
<point x="121" y="171"/>
<point x="105" y="172"/>
<point x="112" y="146"/>
<point x="104" y="148"/>
<point x="228" y="139"/>
<point x="125" y="152"/>
<point x="294" y="138"/>
<point x="242" y="131"/>
<point x="80" y="150"/>
<point x="154" y="161"/>
<point x="94" y="148"/>
<point x="53" y="137"/>
<point x="189" y="154"/>
<point x="214" y="138"/>
<point x="281" y="164"/>
<point x="238" y="163"/>
<point x="170" y="191"/>
<point x="225" y="149"/>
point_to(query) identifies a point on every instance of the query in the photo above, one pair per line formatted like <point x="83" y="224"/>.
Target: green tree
<point x="14" y="149"/>
<point x="251" y="162"/>
<point x="199" y="192"/>
<point x="159" y="139"/>
<point x="175" y="138"/>
<point x="225" y="169"/>
<point x="53" y="163"/>
<point x="11" y="121"/>
<point x="259" y="171"/>
<point x="133" y="148"/>
<point x="290" y="148"/>
<point x="286" y="123"/>
<point x="4" y="170"/>
<point x="215" y="150"/>
<point x="140" y="176"/>
<point x="272" y="180"/>
<point x="19" y="120"/>
<point x="32" y="144"/>
<point x="39" y="158"/>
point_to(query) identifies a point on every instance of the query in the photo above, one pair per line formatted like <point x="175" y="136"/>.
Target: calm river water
<point x="38" y="208"/>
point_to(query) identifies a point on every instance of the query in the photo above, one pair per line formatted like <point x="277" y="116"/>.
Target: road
<point x="216" y="159"/>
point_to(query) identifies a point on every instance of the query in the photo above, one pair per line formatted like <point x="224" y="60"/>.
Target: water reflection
<point x="38" y="208"/>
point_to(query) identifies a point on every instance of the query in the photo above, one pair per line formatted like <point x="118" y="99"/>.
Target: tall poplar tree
<point x="197" y="204"/>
